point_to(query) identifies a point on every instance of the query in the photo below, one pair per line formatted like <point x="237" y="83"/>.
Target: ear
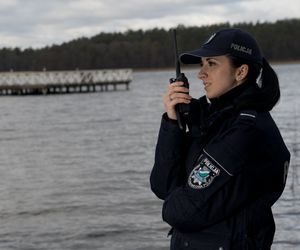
<point x="241" y="73"/>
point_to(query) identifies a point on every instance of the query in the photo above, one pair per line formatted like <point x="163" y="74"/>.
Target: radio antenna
<point x="177" y="63"/>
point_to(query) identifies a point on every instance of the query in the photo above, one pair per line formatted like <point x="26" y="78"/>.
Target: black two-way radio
<point x="182" y="109"/>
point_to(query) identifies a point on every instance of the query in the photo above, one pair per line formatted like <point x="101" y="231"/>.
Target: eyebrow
<point x="208" y="58"/>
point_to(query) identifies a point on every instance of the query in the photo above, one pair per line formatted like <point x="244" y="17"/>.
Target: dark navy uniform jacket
<point x="220" y="179"/>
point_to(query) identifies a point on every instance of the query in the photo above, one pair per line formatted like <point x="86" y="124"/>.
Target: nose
<point x="202" y="74"/>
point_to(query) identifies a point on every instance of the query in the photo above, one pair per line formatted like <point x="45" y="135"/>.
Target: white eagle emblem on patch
<point x="203" y="174"/>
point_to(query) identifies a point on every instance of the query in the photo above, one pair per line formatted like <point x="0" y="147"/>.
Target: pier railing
<point x="59" y="82"/>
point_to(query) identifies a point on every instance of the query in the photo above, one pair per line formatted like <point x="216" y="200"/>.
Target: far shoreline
<point x="284" y="62"/>
<point x="184" y="67"/>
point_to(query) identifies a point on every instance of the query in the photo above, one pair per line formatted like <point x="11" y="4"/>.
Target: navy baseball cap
<point x="230" y="41"/>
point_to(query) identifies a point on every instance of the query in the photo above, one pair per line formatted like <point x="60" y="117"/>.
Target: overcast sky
<point x="38" y="23"/>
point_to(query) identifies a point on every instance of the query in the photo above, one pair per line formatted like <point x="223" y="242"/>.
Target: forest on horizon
<point x="148" y="49"/>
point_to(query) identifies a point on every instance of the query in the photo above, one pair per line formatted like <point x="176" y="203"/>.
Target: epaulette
<point x="248" y="116"/>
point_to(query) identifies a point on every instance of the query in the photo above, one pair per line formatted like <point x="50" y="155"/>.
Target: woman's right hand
<point x="176" y="93"/>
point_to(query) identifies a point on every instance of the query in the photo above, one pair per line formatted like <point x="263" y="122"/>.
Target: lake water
<point x="75" y="168"/>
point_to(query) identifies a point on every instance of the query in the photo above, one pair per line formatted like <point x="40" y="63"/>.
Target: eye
<point x="211" y="63"/>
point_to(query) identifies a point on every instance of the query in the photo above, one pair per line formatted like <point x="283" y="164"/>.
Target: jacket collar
<point x="232" y="98"/>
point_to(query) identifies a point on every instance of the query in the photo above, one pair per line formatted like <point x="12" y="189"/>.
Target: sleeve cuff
<point x="167" y="119"/>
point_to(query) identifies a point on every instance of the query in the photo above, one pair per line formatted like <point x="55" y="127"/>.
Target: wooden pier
<point x="63" y="82"/>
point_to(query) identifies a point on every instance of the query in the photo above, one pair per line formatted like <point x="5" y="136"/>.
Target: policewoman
<point x="220" y="177"/>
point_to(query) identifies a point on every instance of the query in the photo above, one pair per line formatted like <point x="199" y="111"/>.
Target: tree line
<point x="152" y="48"/>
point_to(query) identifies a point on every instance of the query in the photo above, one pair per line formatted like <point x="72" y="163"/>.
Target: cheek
<point x="227" y="79"/>
<point x="221" y="84"/>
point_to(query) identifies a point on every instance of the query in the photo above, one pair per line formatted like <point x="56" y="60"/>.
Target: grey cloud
<point x="56" y="20"/>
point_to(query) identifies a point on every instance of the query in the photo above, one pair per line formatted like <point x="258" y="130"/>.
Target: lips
<point x="206" y="84"/>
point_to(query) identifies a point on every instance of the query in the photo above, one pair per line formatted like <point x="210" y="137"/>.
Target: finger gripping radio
<point x="182" y="109"/>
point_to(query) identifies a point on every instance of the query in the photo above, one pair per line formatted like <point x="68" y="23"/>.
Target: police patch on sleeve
<point x="203" y="174"/>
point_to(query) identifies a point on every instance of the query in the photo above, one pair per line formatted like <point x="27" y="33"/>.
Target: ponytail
<point x="269" y="91"/>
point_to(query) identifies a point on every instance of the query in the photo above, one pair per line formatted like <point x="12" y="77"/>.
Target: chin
<point x="211" y="96"/>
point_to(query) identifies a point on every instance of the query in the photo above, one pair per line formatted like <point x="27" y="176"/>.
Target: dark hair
<point x="269" y="91"/>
